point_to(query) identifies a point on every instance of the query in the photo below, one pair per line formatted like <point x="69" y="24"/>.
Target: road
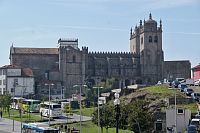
<point x="6" y="125"/>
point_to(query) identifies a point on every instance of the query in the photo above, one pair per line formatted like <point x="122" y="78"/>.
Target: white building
<point x="177" y="120"/>
<point x="17" y="79"/>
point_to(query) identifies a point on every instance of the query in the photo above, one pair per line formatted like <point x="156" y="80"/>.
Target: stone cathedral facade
<point x="69" y="65"/>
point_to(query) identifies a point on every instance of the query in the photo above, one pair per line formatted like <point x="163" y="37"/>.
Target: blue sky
<point x="102" y="25"/>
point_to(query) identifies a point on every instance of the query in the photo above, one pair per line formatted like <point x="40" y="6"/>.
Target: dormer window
<point x="156" y="39"/>
<point x="150" y="38"/>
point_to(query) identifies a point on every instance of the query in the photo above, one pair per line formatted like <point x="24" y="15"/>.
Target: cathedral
<point x="69" y="65"/>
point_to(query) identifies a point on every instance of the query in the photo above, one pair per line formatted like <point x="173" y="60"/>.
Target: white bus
<point x="15" y="102"/>
<point x="55" y="109"/>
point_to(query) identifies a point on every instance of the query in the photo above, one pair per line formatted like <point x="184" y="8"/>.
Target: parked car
<point x="188" y="91"/>
<point x="189" y="82"/>
<point x="159" y="83"/>
<point x="182" y="87"/>
<point x="197" y="115"/>
<point x="195" y="96"/>
<point x="197" y="82"/>
<point x="175" y="83"/>
<point x="192" y="129"/>
<point x="181" y="80"/>
<point x="195" y="122"/>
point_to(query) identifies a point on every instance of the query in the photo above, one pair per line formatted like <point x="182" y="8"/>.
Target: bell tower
<point x="146" y="40"/>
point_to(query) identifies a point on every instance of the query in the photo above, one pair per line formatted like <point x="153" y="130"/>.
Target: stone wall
<point x="177" y="69"/>
<point x="39" y="64"/>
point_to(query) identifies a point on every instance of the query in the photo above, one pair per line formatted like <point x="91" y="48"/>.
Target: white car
<point x="197" y="82"/>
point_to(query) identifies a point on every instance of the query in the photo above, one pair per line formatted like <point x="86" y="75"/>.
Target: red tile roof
<point x="27" y="72"/>
<point x="196" y="67"/>
<point x="35" y="50"/>
<point x="10" y="67"/>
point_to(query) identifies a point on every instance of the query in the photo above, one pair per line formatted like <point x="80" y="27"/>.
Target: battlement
<point x="113" y="54"/>
<point x="85" y="49"/>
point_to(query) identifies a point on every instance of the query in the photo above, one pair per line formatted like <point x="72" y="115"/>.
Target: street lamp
<point x="175" y="123"/>
<point x="98" y="108"/>
<point x="117" y="109"/>
<point x="49" y="98"/>
<point x="15" y="84"/>
<point x="80" y="102"/>
<point x="62" y="92"/>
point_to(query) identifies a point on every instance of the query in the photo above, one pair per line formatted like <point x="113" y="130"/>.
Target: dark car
<point x="195" y="96"/>
<point x="175" y="83"/>
<point x="182" y="87"/>
<point x="188" y="91"/>
<point x="192" y="129"/>
<point x="197" y="115"/>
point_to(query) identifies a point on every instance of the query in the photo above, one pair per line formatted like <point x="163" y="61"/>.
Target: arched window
<point x="155" y="38"/>
<point x="150" y="38"/>
<point x="74" y="59"/>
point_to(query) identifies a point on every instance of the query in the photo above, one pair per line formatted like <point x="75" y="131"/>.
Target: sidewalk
<point x="6" y="126"/>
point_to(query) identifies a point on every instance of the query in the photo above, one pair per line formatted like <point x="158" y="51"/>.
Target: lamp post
<point x="49" y="99"/>
<point x="13" y="89"/>
<point x="98" y="108"/>
<point x="80" y="89"/>
<point x="175" y="130"/>
<point x="117" y="109"/>
<point x="62" y="92"/>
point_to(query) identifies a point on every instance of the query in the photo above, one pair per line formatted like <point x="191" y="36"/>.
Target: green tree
<point x="139" y="119"/>
<point x="5" y="102"/>
<point x="107" y="119"/>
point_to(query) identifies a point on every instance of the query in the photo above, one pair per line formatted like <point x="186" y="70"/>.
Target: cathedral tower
<point x="72" y="64"/>
<point x="146" y="40"/>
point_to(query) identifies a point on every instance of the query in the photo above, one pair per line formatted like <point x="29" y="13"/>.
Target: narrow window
<point x="74" y="59"/>
<point x="150" y="38"/>
<point x="4" y="82"/>
<point x="156" y="39"/>
<point x="141" y="40"/>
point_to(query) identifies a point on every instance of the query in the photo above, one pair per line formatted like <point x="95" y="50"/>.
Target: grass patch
<point x="85" y="111"/>
<point x="89" y="127"/>
<point x="25" y="117"/>
<point x="162" y="91"/>
<point x="192" y="106"/>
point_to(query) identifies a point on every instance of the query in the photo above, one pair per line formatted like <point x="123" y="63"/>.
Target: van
<point x="181" y="80"/>
<point x="196" y="122"/>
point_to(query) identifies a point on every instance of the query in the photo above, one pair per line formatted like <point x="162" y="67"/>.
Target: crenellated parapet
<point x="85" y="49"/>
<point x="100" y="54"/>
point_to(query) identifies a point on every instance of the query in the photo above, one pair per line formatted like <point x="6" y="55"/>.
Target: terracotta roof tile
<point x="10" y="67"/>
<point x="35" y="50"/>
<point x="196" y="67"/>
<point x="27" y="72"/>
